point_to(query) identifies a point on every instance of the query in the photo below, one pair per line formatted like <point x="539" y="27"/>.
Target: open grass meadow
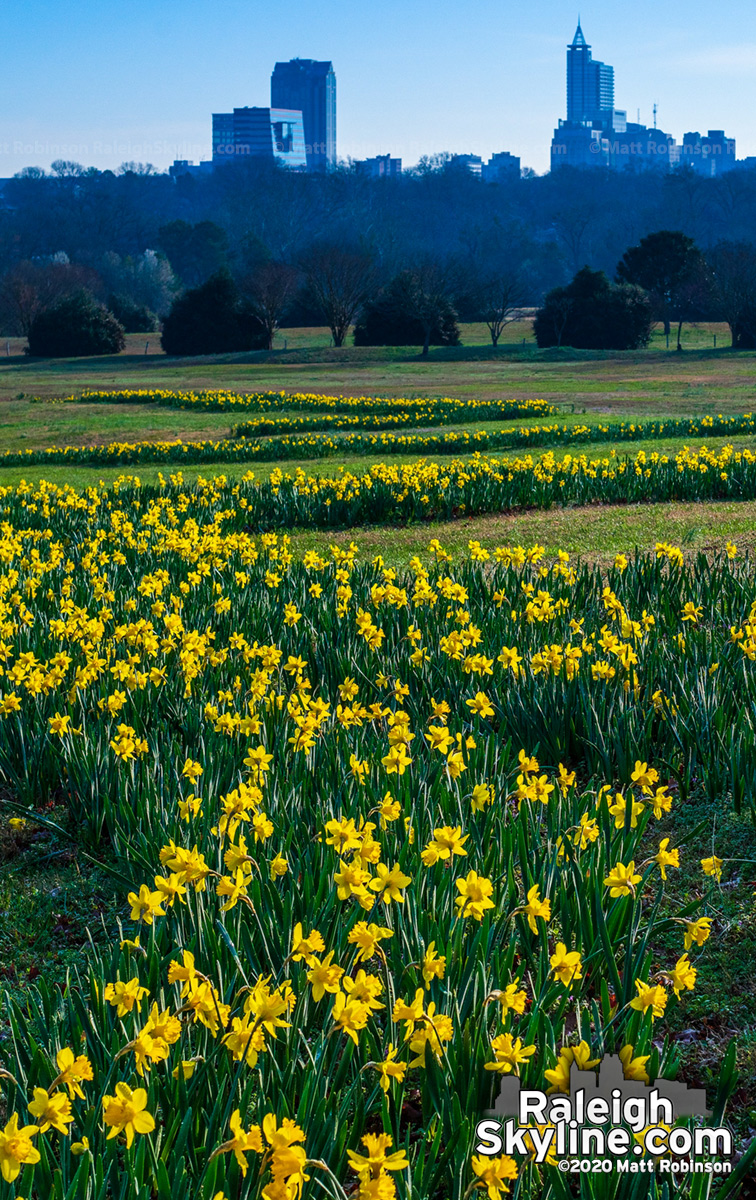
<point x="375" y="732"/>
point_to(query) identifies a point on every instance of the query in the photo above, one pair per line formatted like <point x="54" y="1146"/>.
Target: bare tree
<point x="137" y="168"/>
<point x="30" y="287"/>
<point x="64" y="169"/>
<point x="733" y="275"/>
<point x="270" y="290"/>
<point x="340" y="280"/>
<point x="432" y="284"/>
<point x="498" y="297"/>
<point x="562" y="310"/>
<point x="573" y="224"/>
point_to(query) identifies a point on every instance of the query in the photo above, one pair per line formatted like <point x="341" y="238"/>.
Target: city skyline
<point x="597" y="134"/>
<point x="69" y="90"/>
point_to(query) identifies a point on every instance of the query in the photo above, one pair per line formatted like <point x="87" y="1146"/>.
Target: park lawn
<point x="723" y="1004"/>
<point x="700" y="335"/>
<point x="650" y="383"/>
<point x="596" y="533"/>
<point x="53" y="898"/>
<point x="31" y="425"/>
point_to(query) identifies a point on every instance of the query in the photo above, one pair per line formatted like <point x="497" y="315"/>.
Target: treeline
<point x="223" y="261"/>
<point x="547" y="226"/>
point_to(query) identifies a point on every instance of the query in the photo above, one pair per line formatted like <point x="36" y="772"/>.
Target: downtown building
<point x="500" y="168"/>
<point x="275" y="134"/>
<point x="590" y="84"/>
<point x="383" y="166"/>
<point x="710" y="155"/>
<point x="309" y="87"/>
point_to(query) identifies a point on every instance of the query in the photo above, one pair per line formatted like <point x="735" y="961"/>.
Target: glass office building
<point x="590" y="84"/>
<point x="272" y="133"/>
<point x="309" y="87"/>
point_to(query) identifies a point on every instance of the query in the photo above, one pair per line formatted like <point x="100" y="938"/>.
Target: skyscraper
<point x="590" y="84"/>
<point x="310" y="87"/>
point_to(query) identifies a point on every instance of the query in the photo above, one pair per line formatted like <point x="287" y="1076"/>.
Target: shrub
<point x="591" y="313"/>
<point x="74" y="327"/>
<point x="211" y="319"/>
<point x="135" y="318"/>
<point x="393" y="318"/>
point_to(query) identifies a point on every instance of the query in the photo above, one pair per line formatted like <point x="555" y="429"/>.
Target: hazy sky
<point x="103" y="81"/>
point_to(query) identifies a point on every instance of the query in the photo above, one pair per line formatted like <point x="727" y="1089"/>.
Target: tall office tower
<point x="590" y="84"/>
<point x="310" y="87"/>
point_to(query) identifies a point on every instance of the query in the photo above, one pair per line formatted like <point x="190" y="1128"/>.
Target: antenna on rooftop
<point x="655" y="109"/>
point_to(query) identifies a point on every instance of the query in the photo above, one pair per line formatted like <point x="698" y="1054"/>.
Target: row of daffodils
<point x="292" y="427"/>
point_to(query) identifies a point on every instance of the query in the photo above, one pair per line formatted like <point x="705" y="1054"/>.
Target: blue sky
<point x="103" y="81"/>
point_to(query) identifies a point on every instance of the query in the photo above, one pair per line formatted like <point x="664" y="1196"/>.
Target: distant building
<point x="310" y="88"/>
<point x="710" y="155"/>
<point x="576" y="144"/>
<point x="590" y="84"/>
<point x="383" y="165"/>
<point x="182" y="166"/>
<point x="578" y="141"/>
<point x="223" y="133"/>
<point x="501" y="167"/>
<point x="632" y="146"/>
<point x="640" y="147"/>
<point x="276" y="134"/>
<point x="466" y="162"/>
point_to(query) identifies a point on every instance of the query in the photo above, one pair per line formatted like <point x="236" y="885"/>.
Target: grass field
<point x="655" y="382"/>
<point x="186" y="701"/>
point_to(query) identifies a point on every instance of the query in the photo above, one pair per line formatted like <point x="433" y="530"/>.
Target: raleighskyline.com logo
<point x="605" y="1124"/>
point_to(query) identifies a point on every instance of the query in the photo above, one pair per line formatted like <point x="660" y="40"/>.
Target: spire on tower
<point x="579" y="39"/>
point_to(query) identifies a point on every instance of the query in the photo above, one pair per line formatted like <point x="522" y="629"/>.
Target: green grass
<point x="695" y="336"/>
<point x="723" y="1004"/>
<point x="653" y="382"/>
<point x="52" y="900"/>
<point x="630" y="386"/>
<point x="594" y="533"/>
<point x="25" y="425"/>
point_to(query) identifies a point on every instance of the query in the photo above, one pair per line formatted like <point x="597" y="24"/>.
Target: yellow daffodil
<point x="125" y="1112"/>
<point x="566" y="964"/>
<point x="622" y="880"/>
<point x="509" y="1054"/>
